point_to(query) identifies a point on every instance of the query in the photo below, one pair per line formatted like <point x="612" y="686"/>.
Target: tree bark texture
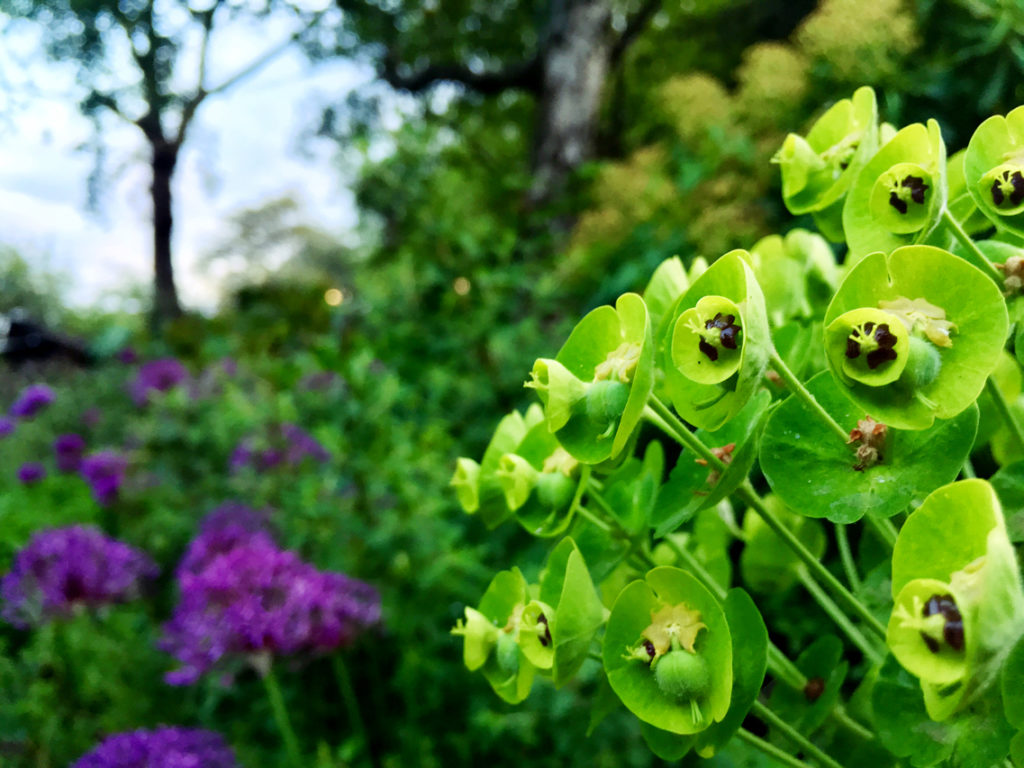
<point x="164" y="159"/>
<point x="576" y="59"/>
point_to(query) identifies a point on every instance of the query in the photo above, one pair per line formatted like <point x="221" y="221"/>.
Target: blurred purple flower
<point x="31" y="472"/>
<point x="166" y="747"/>
<point x="32" y="400"/>
<point x="288" y="444"/>
<point x="127" y="355"/>
<point x="62" y="568"/>
<point x="68" y="450"/>
<point x="157" y="376"/>
<point x="254" y="601"/>
<point x="226" y="527"/>
<point x="104" y="471"/>
<point x="92" y="417"/>
<point x="6" y="426"/>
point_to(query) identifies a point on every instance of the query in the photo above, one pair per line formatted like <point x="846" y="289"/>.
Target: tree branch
<point x="634" y="27"/>
<point x="524" y="75"/>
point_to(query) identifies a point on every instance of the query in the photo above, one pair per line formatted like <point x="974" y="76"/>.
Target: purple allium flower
<point x="157" y="376"/>
<point x="254" y="601"/>
<point x="32" y="400"/>
<point x="287" y="444"/>
<point x="226" y="527"/>
<point x="65" y="567"/>
<point x="31" y="472"/>
<point x="104" y="471"/>
<point x="68" y="450"/>
<point x="165" y="747"/>
<point x="6" y="426"/>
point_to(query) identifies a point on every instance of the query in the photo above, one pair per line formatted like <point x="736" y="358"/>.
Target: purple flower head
<point x="226" y="527"/>
<point x="62" y="568"/>
<point x="157" y="376"/>
<point x="288" y="444"/>
<point x="256" y="600"/>
<point x="69" y="449"/>
<point x="104" y="471"/>
<point x="31" y="472"/>
<point x="127" y="355"/>
<point x="32" y="400"/>
<point x="6" y="426"/>
<point x="164" y="747"/>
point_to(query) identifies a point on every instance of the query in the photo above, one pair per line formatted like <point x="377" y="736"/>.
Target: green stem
<point x="586" y="513"/>
<point x="659" y="414"/>
<point x="771" y="750"/>
<point x="884" y="528"/>
<point x="977" y="258"/>
<point x="284" y="725"/>
<point x="819" y="571"/>
<point x="1005" y="412"/>
<point x="846" y="555"/>
<point x="697" y="567"/>
<point x="797" y="738"/>
<point x="798" y="389"/>
<point x="841" y="620"/>
<point x="348" y="696"/>
<point x="968" y="469"/>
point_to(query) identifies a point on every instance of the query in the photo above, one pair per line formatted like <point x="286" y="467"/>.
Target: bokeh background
<point x="365" y="220"/>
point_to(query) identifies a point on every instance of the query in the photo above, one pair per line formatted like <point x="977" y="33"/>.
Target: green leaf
<point x="1008" y="483"/>
<point x="970" y="301"/>
<point x="692" y="486"/>
<point x="901" y="722"/>
<point x="749" y="662"/>
<point x="578" y="615"/>
<point x="666" y="745"/>
<point x="993" y="159"/>
<point x="767" y="563"/>
<point x="1012" y="685"/>
<point x="815" y="474"/>
<point x="822" y="660"/>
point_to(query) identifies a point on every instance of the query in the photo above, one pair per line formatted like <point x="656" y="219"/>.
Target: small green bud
<point x="466" y="482"/>
<point x="923" y="364"/>
<point x="507" y="654"/>
<point x="606" y="400"/>
<point x="555" y="490"/>
<point x="517" y="478"/>
<point x="682" y="675"/>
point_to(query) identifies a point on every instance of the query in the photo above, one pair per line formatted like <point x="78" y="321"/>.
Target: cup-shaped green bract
<point x="595" y="389"/>
<point x="960" y="201"/>
<point x="898" y="197"/>
<point x="955" y="317"/>
<point x="670" y="621"/>
<point x="668" y="282"/>
<point x="496" y="651"/>
<point x="542" y="483"/>
<point x="880" y="471"/>
<point x="867" y="346"/>
<point x="818" y="170"/>
<point x="720" y="344"/>
<point x="956" y="583"/>
<point x="478" y="486"/>
<point x="994" y="170"/>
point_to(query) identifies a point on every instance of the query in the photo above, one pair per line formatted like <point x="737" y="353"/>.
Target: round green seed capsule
<point x="507" y="654"/>
<point x="555" y="490"/>
<point x="682" y="675"/>
<point x="923" y="363"/>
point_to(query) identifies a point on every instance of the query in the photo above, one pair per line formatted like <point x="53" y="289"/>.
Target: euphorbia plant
<point x="805" y="396"/>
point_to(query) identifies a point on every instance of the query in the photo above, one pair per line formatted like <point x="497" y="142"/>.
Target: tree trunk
<point x="165" y="294"/>
<point x="576" y="61"/>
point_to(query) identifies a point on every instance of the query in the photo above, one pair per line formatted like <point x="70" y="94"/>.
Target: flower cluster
<point x="244" y="597"/>
<point x="287" y="445"/>
<point x="63" y="568"/>
<point x="32" y="400"/>
<point x="165" y="747"/>
<point x="31" y="472"/>
<point x="104" y="471"/>
<point x="157" y="376"/>
<point x="68" y="450"/>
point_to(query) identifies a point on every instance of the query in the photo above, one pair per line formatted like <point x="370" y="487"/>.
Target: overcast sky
<point x="241" y="152"/>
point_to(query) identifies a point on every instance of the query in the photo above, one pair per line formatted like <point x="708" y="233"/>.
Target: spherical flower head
<point x="6" y="426"/>
<point x="31" y="472"/>
<point x="104" y="471"/>
<point x="224" y="528"/>
<point x="32" y="400"/>
<point x="157" y="376"/>
<point x="64" y="568"/>
<point x="256" y="601"/>
<point x="68" y="450"/>
<point x="166" y="747"/>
